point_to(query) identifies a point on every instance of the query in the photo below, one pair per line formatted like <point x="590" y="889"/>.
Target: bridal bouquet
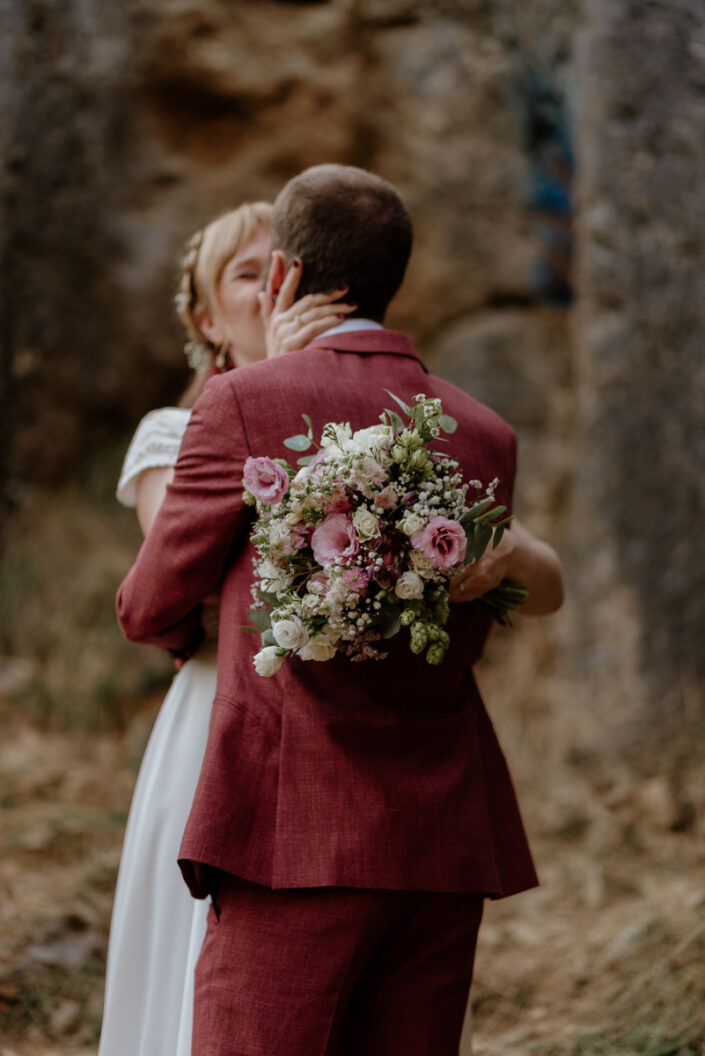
<point x="364" y="538"/>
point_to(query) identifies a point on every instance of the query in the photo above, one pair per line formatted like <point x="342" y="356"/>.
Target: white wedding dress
<point x="157" y="928"/>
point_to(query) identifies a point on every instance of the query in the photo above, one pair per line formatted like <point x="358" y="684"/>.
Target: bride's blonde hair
<point x="207" y="253"/>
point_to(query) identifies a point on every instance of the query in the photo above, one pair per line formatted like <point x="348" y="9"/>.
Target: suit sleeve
<point x="203" y="517"/>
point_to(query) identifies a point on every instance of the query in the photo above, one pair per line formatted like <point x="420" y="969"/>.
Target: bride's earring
<point x="222" y="359"/>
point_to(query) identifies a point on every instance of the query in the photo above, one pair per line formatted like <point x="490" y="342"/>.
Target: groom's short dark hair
<point x="349" y="227"/>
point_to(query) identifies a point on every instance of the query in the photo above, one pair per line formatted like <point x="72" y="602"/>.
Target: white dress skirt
<point x="157" y="928"/>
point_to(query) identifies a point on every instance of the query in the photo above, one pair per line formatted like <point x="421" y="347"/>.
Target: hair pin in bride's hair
<point x="197" y="355"/>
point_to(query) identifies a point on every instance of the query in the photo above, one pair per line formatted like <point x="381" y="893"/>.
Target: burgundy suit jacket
<point x="376" y="774"/>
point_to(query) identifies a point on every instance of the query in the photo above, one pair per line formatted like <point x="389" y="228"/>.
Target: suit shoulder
<point x="270" y="380"/>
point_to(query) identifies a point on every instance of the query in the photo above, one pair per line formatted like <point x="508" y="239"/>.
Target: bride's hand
<point x="487" y="573"/>
<point x="289" y="324"/>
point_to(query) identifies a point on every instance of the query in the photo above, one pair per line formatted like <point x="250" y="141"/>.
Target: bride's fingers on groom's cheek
<point x="330" y="313"/>
<point x="266" y="306"/>
<point x="287" y="291"/>
<point x="302" y="335"/>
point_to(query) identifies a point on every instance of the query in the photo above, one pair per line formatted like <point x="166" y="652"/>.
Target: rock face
<point x="638" y="491"/>
<point x="130" y="124"/>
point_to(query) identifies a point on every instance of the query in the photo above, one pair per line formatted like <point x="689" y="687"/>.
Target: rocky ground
<point x="606" y="958"/>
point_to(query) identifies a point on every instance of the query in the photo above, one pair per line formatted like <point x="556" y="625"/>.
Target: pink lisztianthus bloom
<point x="442" y="541"/>
<point x="265" y="479"/>
<point x="335" y="537"/>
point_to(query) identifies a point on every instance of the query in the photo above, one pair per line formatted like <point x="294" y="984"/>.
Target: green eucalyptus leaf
<point x="260" y="618"/>
<point x="447" y="424"/>
<point x="309" y="423"/>
<point x="481" y="537"/>
<point x="394" y="420"/>
<point x="493" y="514"/>
<point x="250" y="630"/>
<point x="404" y="406"/>
<point x="298" y="443"/>
<point x="479" y="508"/>
<point x="305" y="461"/>
<point x="268" y="637"/>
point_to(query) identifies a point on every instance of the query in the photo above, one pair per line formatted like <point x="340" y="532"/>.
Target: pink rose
<point x="334" y="537"/>
<point x="266" y="480"/>
<point x="442" y="541"/>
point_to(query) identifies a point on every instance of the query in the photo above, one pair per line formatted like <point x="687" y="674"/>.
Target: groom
<point x="350" y="817"/>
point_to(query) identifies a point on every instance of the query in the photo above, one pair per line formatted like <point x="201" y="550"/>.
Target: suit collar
<point x="370" y="342"/>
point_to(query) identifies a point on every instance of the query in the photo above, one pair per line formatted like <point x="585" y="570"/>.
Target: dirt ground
<point x="605" y="958"/>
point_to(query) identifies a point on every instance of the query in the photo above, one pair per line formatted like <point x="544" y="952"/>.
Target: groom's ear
<point x="277" y="273"/>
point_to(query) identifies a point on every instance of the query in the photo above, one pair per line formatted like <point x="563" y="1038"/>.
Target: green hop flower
<point x="435" y="653"/>
<point x="398" y="453"/>
<point x="407" y="617"/>
<point x="419" y="638"/>
<point x="411" y="439"/>
<point x="418" y="459"/>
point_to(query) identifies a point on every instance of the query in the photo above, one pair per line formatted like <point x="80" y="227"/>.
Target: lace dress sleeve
<point x="155" y="443"/>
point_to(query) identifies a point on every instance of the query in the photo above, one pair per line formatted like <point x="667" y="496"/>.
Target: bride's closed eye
<point x="250" y="270"/>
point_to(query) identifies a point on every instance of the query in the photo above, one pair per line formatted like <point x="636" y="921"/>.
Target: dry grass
<point x="607" y="957"/>
<point x="62" y="656"/>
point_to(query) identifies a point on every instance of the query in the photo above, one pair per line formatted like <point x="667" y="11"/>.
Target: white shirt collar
<point x="350" y="325"/>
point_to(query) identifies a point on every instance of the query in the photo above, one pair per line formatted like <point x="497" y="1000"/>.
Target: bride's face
<point x="237" y="316"/>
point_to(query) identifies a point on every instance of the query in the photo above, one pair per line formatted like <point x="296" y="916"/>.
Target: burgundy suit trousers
<point x="334" y="972"/>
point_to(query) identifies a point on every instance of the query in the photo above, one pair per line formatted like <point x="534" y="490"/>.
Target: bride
<point x="157" y="928"/>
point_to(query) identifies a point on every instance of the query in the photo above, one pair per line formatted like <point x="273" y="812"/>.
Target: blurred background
<point x="551" y="153"/>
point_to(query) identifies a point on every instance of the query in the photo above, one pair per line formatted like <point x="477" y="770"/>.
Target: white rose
<point x="412" y="523"/>
<point x="268" y="661"/>
<point x="290" y="633"/>
<point x="409" y="586"/>
<point x="365" y="523"/>
<point x="367" y="441"/>
<point x="421" y="564"/>
<point x="320" y="647"/>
